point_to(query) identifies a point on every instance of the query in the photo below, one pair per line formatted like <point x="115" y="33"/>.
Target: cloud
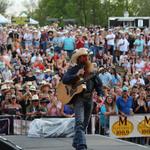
<point x="16" y="8"/>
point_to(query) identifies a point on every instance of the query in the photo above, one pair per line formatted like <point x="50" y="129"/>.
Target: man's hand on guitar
<point x="80" y="72"/>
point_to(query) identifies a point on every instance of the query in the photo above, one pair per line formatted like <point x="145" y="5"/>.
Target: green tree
<point x="142" y="7"/>
<point x="88" y="12"/>
<point x="3" y="6"/>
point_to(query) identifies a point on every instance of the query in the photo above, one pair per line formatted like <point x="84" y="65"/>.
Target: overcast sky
<point x="17" y="7"/>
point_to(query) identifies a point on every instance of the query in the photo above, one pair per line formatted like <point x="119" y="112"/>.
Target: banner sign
<point x="20" y="20"/>
<point x="130" y="126"/>
<point x="140" y="23"/>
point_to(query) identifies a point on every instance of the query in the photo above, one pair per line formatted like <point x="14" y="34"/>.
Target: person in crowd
<point x="139" y="45"/>
<point x="43" y="106"/>
<point x="118" y="91"/>
<point x="106" y="78"/>
<point x="110" y="37"/>
<point x="44" y="90"/>
<point x="115" y="78"/>
<point x="134" y="93"/>
<point x="147" y="79"/>
<point x="108" y="108"/>
<point x="7" y="74"/>
<point x="33" y="110"/>
<point x="55" y="106"/>
<point x="125" y="103"/>
<point x="140" y="105"/>
<point x="79" y="41"/>
<point x="137" y="80"/>
<point x="69" y="44"/>
<point x="13" y="108"/>
<point x="123" y="44"/>
<point x="139" y="65"/>
<point x="29" y="76"/>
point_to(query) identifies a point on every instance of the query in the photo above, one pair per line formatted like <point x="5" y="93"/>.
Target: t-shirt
<point x="141" y="108"/>
<point x="110" y="41"/>
<point x="123" y="45"/>
<point x="69" y="43"/>
<point x="139" y="45"/>
<point x="137" y="81"/>
<point x="105" y="78"/>
<point x="139" y="66"/>
<point x="115" y="80"/>
<point x="125" y="106"/>
<point x="103" y="119"/>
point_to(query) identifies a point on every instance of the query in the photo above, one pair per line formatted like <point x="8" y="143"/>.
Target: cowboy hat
<point x="5" y="87"/>
<point x="47" y="70"/>
<point x="44" y="100"/>
<point x="44" y="83"/>
<point x="8" y="81"/>
<point x="19" y="87"/>
<point x="77" y="53"/>
<point x="32" y="88"/>
<point x="35" y="98"/>
<point x="29" y="83"/>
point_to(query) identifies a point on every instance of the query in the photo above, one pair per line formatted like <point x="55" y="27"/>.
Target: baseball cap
<point x="125" y="89"/>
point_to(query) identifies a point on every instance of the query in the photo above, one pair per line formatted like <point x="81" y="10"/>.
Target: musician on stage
<point x="81" y="69"/>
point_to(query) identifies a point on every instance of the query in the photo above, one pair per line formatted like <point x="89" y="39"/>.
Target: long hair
<point x="115" y="73"/>
<point x="112" y="104"/>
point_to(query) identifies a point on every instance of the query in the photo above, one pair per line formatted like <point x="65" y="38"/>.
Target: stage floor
<point x="95" y="142"/>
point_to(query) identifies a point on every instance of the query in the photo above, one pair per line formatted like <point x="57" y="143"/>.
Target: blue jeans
<point x="44" y="45"/>
<point x="82" y="109"/>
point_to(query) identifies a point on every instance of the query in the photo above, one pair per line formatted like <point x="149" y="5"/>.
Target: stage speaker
<point x="8" y="145"/>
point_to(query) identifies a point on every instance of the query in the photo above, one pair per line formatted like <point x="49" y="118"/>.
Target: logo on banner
<point x="123" y="127"/>
<point x="144" y="126"/>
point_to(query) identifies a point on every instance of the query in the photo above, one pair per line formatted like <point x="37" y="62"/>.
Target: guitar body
<point x="65" y="92"/>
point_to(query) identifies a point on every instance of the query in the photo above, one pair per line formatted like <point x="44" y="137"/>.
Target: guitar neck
<point x="88" y="77"/>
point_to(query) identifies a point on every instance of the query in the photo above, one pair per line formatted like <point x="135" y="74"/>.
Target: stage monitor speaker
<point x="8" y="145"/>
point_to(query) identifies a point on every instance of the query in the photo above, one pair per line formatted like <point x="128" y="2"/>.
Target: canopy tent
<point x="3" y="20"/>
<point x="33" y="22"/>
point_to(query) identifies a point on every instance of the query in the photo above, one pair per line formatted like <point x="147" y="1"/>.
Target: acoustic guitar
<point x="65" y="92"/>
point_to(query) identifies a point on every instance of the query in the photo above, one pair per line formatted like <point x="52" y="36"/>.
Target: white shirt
<point x="123" y="45"/>
<point x="28" y="36"/>
<point x="139" y="66"/>
<point x="7" y="75"/>
<point x="110" y="39"/>
<point x="33" y="59"/>
<point x="138" y="81"/>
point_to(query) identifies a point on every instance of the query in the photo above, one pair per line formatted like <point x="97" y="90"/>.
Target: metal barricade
<point x="95" y="126"/>
<point x="18" y="121"/>
<point x="27" y="121"/>
<point x="6" y="124"/>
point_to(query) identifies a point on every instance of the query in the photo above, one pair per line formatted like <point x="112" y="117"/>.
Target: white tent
<point x="33" y="22"/>
<point x="3" y="20"/>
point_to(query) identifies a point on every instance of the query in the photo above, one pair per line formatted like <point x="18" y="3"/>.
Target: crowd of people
<point x="33" y="60"/>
